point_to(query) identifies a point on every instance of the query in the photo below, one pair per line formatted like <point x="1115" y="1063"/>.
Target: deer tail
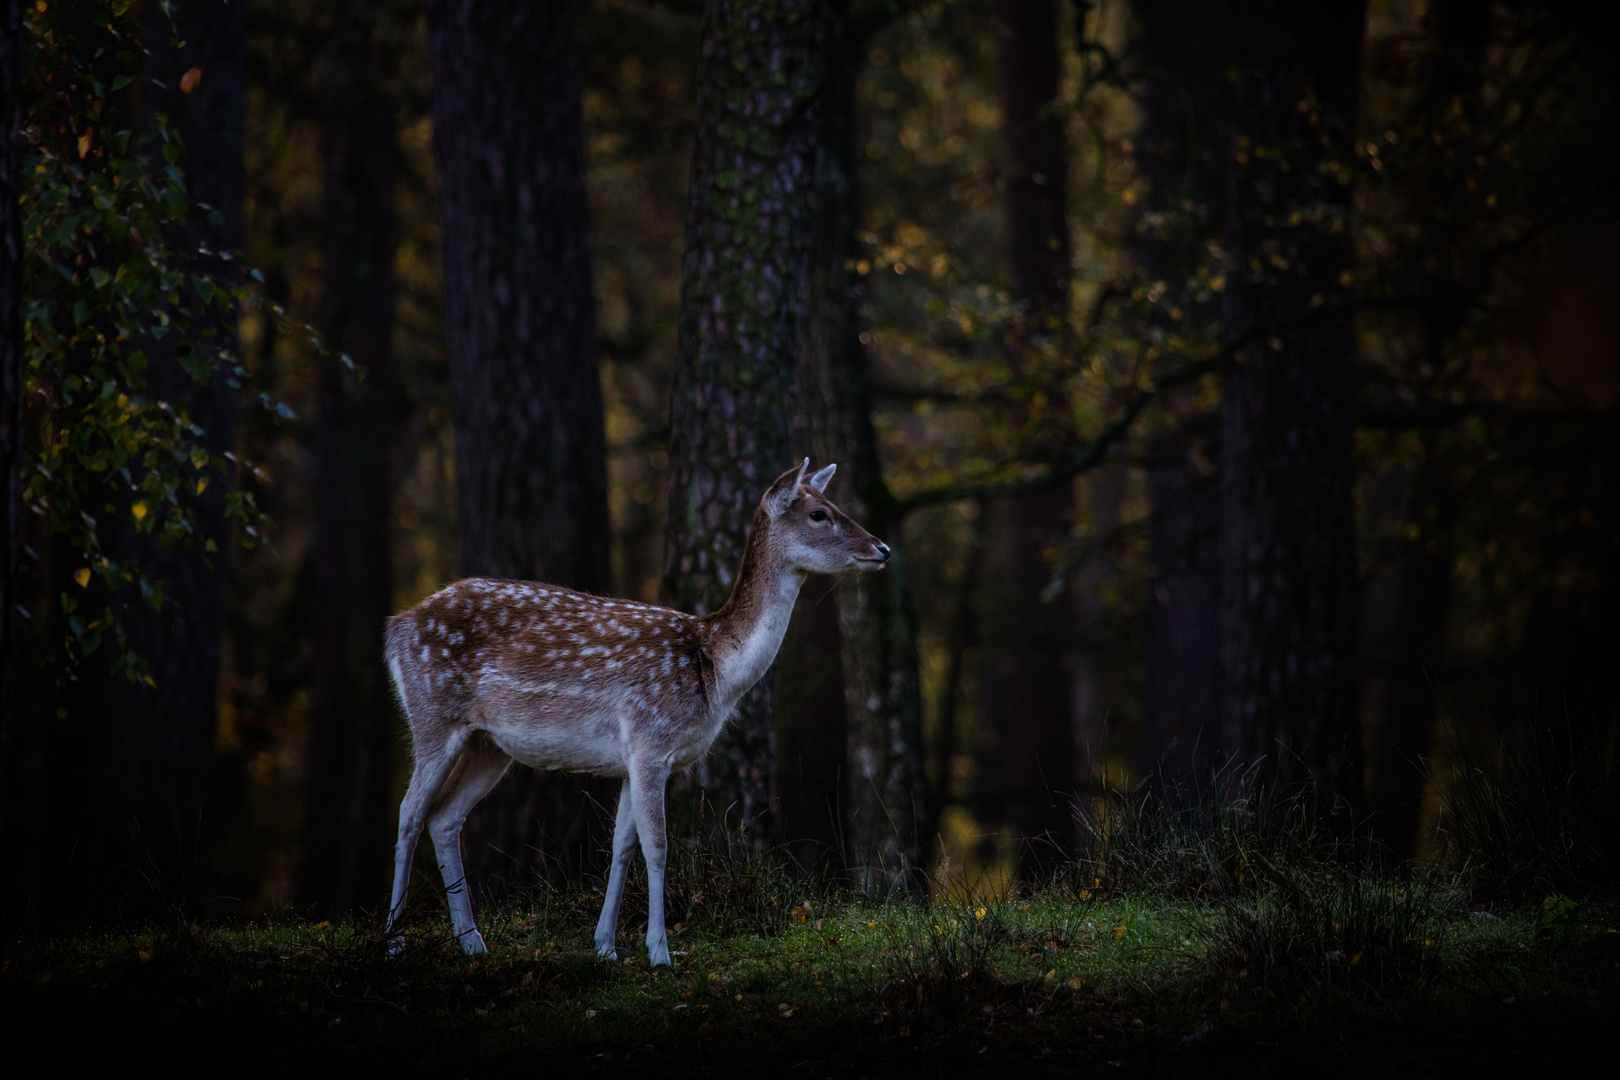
<point x="396" y="652"/>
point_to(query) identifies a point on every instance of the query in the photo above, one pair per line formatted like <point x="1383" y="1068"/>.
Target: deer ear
<point x="784" y="491"/>
<point x="822" y="478"/>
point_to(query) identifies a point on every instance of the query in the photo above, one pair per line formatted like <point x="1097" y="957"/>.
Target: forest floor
<point x="1047" y="986"/>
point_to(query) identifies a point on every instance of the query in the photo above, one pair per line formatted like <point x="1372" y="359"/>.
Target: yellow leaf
<point x="146" y="954"/>
<point x="323" y="924"/>
<point x="1050" y="975"/>
<point x="139" y="510"/>
<point x="1085" y="894"/>
<point x="84" y="143"/>
<point x="202" y="484"/>
<point x="1217" y="283"/>
<point x="189" y="81"/>
<point x="41" y="6"/>
<point x="1120" y="930"/>
<point x="978" y="913"/>
<point x="82" y="576"/>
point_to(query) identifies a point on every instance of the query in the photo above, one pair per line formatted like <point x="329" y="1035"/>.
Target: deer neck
<point x="747" y="631"/>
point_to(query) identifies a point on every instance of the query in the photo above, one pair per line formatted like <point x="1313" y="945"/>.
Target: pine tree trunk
<point x="1288" y="634"/>
<point x="1406" y="736"/>
<point x="1409" y="685"/>
<point x="1181" y="675"/>
<point x="748" y="225"/>
<point x="1026" y="691"/>
<point x="348" y="817"/>
<point x="1183" y="52"/>
<point x="808" y="790"/>
<point x="881" y="696"/>
<point x="526" y="395"/>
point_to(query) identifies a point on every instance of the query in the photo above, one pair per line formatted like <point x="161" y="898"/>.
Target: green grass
<point x="1237" y="932"/>
<point x="1053" y="983"/>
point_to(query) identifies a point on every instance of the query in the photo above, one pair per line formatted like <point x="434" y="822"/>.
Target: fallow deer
<point x="491" y="671"/>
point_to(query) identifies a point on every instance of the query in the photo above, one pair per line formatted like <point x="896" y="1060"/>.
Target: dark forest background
<point x="1237" y="383"/>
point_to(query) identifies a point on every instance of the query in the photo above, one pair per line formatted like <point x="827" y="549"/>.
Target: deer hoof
<point x="472" y="943"/>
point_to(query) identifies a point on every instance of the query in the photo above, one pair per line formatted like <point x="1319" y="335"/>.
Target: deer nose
<point x="882" y="549"/>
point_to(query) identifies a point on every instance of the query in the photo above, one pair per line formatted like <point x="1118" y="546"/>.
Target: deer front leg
<point x="478" y="771"/>
<point x="647" y="780"/>
<point x="624" y="846"/>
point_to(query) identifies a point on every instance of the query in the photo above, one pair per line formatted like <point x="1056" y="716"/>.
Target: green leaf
<point x="120" y="82"/>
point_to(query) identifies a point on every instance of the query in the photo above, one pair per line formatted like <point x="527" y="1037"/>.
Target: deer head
<point x="801" y="526"/>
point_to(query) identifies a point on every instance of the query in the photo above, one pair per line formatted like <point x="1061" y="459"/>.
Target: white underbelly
<point x="573" y="745"/>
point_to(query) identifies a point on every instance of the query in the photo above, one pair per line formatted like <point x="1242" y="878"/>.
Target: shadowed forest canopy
<point x="1237" y="383"/>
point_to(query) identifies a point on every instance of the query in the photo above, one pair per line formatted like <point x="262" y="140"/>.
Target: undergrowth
<point x="1183" y="914"/>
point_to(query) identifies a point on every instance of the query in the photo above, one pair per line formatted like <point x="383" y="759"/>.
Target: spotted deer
<point x="491" y="671"/>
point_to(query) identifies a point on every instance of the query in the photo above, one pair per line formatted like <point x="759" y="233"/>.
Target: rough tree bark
<point x="1026" y="690"/>
<point x="520" y="318"/>
<point x="1182" y="51"/>
<point x="1288" y="633"/>
<point x="881" y="697"/>
<point x="748" y="227"/>
<point x="348" y="819"/>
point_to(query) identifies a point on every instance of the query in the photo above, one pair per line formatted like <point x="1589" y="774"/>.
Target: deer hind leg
<point x="647" y="780"/>
<point x="433" y="765"/>
<point x="624" y="847"/>
<point x="476" y="773"/>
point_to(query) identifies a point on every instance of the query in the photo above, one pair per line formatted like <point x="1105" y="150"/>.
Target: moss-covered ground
<point x="1047" y="986"/>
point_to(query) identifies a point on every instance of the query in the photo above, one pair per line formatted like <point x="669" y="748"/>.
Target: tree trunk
<point x="1181" y="711"/>
<point x="348" y="817"/>
<point x="1409" y="687"/>
<point x="520" y="318"/>
<point x="11" y="409"/>
<point x="1026" y="691"/>
<point x="1406" y="736"/>
<point x="809" y="791"/>
<point x="1288" y="561"/>
<point x="1183" y="48"/>
<point x="881" y="696"/>
<point x="748" y="227"/>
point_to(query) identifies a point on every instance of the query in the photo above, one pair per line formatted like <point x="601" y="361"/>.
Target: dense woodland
<point x="1236" y="383"/>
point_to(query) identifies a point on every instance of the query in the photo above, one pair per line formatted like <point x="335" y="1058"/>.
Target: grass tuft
<point x="1522" y="822"/>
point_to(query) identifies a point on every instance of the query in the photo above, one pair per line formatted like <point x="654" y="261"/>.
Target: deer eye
<point x="818" y="515"/>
